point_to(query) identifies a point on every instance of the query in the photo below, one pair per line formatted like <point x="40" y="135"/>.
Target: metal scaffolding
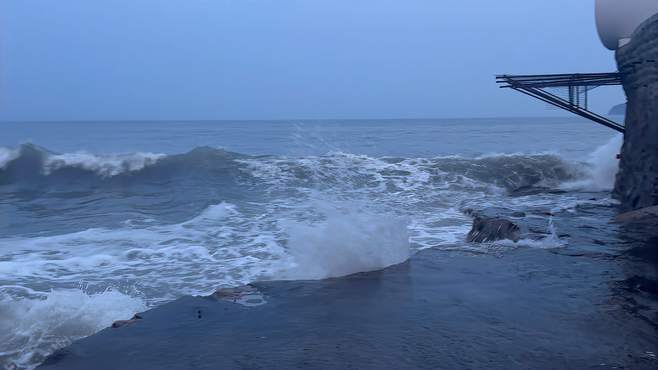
<point x="577" y="86"/>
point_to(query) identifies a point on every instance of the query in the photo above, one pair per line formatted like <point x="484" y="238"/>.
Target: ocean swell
<point x="30" y="163"/>
<point x="169" y="225"/>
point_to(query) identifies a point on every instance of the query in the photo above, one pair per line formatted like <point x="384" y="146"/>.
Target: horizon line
<point x="285" y="119"/>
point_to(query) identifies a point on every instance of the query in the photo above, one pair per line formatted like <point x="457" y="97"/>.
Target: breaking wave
<point x="30" y="157"/>
<point x="104" y="166"/>
<point x="170" y="225"/>
<point x="30" y="164"/>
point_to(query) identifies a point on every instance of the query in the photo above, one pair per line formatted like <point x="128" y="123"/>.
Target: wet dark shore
<point x="523" y="308"/>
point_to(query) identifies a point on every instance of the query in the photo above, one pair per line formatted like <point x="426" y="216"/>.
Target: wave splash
<point x="32" y="328"/>
<point x="378" y="212"/>
<point x="218" y="247"/>
<point x="345" y="242"/>
<point x="600" y="168"/>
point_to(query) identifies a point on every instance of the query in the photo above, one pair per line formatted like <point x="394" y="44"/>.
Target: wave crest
<point x="31" y="160"/>
<point x="103" y="165"/>
<point x="334" y="170"/>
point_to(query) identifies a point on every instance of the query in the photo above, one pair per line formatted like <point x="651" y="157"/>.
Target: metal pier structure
<point x="547" y="88"/>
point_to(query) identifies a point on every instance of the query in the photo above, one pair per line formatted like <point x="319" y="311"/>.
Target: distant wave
<point x="105" y="166"/>
<point x="47" y="162"/>
<point x="37" y="166"/>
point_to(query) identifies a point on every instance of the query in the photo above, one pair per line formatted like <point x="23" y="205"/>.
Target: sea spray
<point x="7" y="155"/>
<point x="550" y="241"/>
<point x="347" y="241"/>
<point x="601" y="168"/>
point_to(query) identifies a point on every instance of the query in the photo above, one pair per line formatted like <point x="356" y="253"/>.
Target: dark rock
<point x="492" y="229"/>
<point x="469" y="212"/>
<point x="534" y="190"/>
<point x="518" y="214"/>
<point x="647" y="215"/>
<point x="638" y="167"/>
<point x="641" y="284"/>
<point x="120" y="323"/>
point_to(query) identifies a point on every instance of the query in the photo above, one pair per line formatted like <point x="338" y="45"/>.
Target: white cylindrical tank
<point x="617" y="19"/>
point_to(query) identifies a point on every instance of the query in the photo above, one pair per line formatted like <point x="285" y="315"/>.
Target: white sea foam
<point x="352" y="172"/>
<point x="105" y="165"/>
<point x="324" y="216"/>
<point x="216" y="248"/>
<point x="7" y="155"/>
<point x="30" y="329"/>
<point x="219" y="247"/>
<point x="550" y="241"/>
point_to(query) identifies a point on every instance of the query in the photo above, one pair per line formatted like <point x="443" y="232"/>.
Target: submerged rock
<point x="648" y="215"/>
<point x="534" y="190"/>
<point x="492" y="229"/>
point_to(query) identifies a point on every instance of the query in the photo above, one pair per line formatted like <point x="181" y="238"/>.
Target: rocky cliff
<point x="638" y="169"/>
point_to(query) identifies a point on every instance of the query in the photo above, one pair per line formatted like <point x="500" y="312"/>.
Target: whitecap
<point x="7" y="155"/>
<point x="105" y="165"/>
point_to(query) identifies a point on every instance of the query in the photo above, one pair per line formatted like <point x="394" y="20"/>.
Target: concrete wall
<point x="638" y="168"/>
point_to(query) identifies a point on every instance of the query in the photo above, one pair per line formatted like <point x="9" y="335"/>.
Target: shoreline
<point x="544" y="308"/>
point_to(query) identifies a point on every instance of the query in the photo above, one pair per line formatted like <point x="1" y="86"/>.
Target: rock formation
<point x="637" y="178"/>
<point x="492" y="229"/>
<point x="618" y="110"/>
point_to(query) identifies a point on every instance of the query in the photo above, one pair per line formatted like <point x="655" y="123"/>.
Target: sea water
<point x="99" y="220"/>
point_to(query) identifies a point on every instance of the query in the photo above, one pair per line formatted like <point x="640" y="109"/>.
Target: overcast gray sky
<point x="285" y="59"/>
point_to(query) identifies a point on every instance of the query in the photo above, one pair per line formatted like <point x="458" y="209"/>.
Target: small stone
<point x="120" y="323"/>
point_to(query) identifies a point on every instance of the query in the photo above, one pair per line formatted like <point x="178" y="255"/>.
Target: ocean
<point x="99" y="220"/>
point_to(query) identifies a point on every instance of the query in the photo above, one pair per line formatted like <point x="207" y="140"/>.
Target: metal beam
<point x="576" y="83"/>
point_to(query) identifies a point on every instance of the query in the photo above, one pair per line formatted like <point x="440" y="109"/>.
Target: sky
<point x="288" y="59"/>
